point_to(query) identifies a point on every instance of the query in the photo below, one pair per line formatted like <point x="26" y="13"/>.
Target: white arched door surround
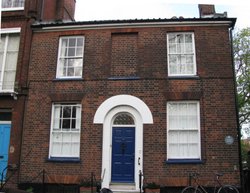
<point x="106" y="114"/>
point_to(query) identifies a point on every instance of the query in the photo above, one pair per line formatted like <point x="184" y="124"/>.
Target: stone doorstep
<point x="123" y="188"/>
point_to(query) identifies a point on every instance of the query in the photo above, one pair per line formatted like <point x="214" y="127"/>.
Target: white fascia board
<point x="133" y="25"/>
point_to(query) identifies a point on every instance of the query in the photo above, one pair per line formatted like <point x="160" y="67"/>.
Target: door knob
<point x="123" y="147"/>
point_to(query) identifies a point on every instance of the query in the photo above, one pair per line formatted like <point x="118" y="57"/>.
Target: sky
<point x="89" y="10"/>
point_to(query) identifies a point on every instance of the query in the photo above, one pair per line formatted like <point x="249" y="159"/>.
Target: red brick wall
<point x="58" y="10"/>
<point x="213" y="88"/>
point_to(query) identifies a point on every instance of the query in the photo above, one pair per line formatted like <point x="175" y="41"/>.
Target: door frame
<point x="107" y="143"/>
<point x="105" y="115"/>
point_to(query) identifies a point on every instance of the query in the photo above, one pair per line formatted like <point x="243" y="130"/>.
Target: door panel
<point x="123" y="154"/>
<point x="4" y="146"/>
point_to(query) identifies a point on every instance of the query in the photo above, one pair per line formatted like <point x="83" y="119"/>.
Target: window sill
<point x="13" y="9"/>
<point x="64" y="159"/>
<point x="184" y="161"/>
<point x="68" y="79"/>
<point x="183" y="77"/>
<point x="124" y="78"/>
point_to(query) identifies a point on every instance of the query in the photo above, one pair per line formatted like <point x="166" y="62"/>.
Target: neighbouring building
<point x="123" y="97"/>
<point x="14" y="56"/>
<point x="16" y="36"/>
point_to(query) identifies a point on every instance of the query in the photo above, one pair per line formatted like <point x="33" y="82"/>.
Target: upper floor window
<point x="70" y="57"/>
<point x="183" y="130"/>
<point x="65" y="131"/>
<point x="9" y="46"/>
<point x="12" y="5"/>
<point x="181" y="54"/>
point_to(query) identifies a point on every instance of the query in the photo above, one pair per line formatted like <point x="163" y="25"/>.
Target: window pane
<point x="172" y="49"/>
<point x="57" y="137"/>
<point x="66" y="137"/>
<point x="173" y="64"/>
<point x="188" y="38"/>
<point x="1" y="61"/>
<point x="180" y="38"/>
<point x="173" y="150"/>
<point x="180" y="48"/>
<point x="8" y="80"/>
<point x="80" y="42"/>
<point x="183" y="130"/>
<point x="66" y="123"/>
<point x="173" y="137"/>
<point x="181" y="54"/>
<point x="66" y="111"/>
<point x="2" y="42"/>
<point x="64" y="48"/>
<point x="189" y="48"/>
<point x="12" y="3"/>
<point x="72" y="42"/>
<point x="66" y="149"/>
<point x="71" y="57"/>
<point x="79" y="52"/>
<point x="11" y="61"/>
<point x="173" y="122"/>
<point x="71" y="52"/>
<point x="56" y="149"/>
<point x="75" y="138"/>
<point x="123" y="119"/>
<point x="13" y="43"/>
<point x="75" y="149"/>
<point x="8" y="60"/>
<point x="73" y="123"/>
<point x="193" y="150"/>
<point x="66" y="142"/>
<point x="171" y="38"/>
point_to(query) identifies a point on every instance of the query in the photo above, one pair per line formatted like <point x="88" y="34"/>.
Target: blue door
<point x="4" y="147"/>
<point x="123" y="154"/>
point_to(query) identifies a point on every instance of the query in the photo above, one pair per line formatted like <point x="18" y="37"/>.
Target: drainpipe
<point x="237" y="112"/>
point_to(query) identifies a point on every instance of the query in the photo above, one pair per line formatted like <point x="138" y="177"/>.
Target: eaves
<point x="144" y="23"/>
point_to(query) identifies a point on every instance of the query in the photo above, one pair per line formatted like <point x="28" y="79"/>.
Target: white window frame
<point x="178" y="155"/>
<point x="60" y="131"/>
<point x="8" y="31"/>
<point x="59" y="73"/>
<point x="184" y="54"/>
<point x="12" y="8"/>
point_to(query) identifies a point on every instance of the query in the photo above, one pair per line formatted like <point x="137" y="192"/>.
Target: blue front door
<point x="4" y="147"/>
<point x="123" y="154"/>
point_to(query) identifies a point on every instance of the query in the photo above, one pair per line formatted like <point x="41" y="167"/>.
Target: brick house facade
<point x="116" y="98"/>
<point x="99" y="90"/>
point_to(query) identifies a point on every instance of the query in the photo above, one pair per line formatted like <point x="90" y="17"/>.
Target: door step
<point x="123" y="188"/>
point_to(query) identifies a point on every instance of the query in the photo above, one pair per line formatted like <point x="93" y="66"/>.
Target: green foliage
<point x="245" y="147"/>
<point x="30" y="189"/>
<point x="241" y="48"/>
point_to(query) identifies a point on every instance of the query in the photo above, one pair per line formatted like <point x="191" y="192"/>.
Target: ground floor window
<point x="183" y="130"/>
<point x="65" y="130"/>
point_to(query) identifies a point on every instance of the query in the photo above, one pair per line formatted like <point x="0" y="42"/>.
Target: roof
<point x="230" y="22"/>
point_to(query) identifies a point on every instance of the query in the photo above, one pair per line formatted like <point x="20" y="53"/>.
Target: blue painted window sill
<point x="183" y="77"/>
<point x="124" y="78"/>
<point x="184" y="161"/>
<point x="64" y="159"/>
